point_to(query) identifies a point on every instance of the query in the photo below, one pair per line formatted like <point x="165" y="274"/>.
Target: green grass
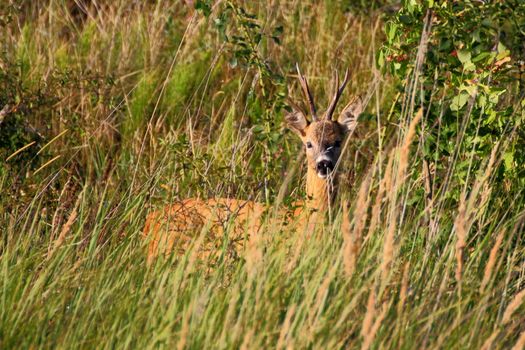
<point x="156" y="111"/>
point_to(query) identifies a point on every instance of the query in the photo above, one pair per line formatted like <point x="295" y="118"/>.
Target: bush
<point x="470" y="81"/>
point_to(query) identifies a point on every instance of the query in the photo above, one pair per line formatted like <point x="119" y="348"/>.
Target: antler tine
<point x="337" y="94"/>
<point x="307" y="93"/>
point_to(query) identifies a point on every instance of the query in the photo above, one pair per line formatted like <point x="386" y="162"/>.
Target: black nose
<point x="324" y="167"/>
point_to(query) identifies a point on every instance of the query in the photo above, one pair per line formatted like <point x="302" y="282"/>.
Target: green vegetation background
<point x="109" y="109"/>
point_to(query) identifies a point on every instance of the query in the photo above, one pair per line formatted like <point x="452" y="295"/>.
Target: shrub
<point x="469" y="81"/>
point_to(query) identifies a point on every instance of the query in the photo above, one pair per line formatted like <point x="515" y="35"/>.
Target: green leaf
<point x="508" y="159"/>
<point x="391" y="31"/>
<point x="502" y="51"/>
<point x="464" y="57"/>
<point x="470" y="89"/>
<point x="495" y="94"/>
<point x="481" y="56"/>
<point x="381" y="59"/>
<point x="459" y="101"/>
<point x="501" y="47"/>
<point x="491" y="117"/>
<point x="482" y="101"/>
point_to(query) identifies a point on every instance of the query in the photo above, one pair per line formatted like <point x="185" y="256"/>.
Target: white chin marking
<point x="322" y="176"/>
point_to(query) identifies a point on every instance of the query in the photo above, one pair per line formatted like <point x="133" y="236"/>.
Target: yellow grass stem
<point x="20" y="150"/>
<point x="46" y="164"/>
<point x="52" y="140"/>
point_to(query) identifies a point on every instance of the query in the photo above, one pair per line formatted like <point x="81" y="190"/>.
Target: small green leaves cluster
<point x="471" y="80"/>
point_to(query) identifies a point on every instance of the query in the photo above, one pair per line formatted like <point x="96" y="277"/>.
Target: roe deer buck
<point x="174" y="226"/>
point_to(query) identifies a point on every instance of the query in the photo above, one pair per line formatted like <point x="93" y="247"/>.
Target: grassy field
<point x="111" y="109"/>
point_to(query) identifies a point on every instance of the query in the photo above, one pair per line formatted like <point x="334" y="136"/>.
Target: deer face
<point x="323" y="141"/>
<point x="323" y="138"/>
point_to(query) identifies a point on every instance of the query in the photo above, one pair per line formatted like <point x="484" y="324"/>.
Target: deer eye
<point x="308" y="144"/>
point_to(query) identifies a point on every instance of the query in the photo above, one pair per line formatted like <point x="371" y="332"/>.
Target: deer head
<point x="323" y="137"/>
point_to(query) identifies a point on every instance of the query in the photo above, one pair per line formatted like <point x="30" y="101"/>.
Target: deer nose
<point x="324" y="167"/>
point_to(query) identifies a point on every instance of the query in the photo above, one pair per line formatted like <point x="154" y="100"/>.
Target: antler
<point x="337" y="95"/>
<point x="307" y="93"/>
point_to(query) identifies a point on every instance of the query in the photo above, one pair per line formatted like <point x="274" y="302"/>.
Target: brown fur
<point x="173" y="228"/>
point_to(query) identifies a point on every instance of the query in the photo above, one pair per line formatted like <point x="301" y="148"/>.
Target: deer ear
<point x="296" y="121"/>
<point x="348" y="118"/>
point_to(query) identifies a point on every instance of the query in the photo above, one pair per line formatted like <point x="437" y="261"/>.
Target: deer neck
<point x="320" y="192"/>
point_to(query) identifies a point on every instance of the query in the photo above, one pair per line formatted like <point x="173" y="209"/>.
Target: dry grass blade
<point x="361" y="211"/>
<point x="46" y="164"/>
<point x="467" y="212"/>
<point x="388" y="249"/>
<point x="185" y="329"/>
<point x="389" y="241"/>
<point x="353" y="238"/>
<point x="66" y="228"/>
<point x="52" y="140"/>
<point x="487" y="345"/>
<point x="286" y="327"/>
<point x="516" y="302"/>
<point x="247" y="340"/>
<point x="349" y="258"/>
<point x="520" y="343"/>
<point x="21" y="149"/>
<point x="405" y="149"/>
<point x="384" y="184"/>
<point x="404" y="289"/>
<point x="369" y="316"/>
<point x="461" y="233"/>
<point x="372" y="331"/>
<point x="489" y="268"/>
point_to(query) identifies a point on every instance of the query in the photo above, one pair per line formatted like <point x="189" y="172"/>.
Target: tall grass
<point x="155" y="112"/>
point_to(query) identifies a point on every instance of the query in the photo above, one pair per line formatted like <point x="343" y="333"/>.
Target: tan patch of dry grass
<point x="489" y="268"/>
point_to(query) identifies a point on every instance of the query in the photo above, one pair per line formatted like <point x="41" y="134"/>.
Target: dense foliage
<point x="469" y="79"/>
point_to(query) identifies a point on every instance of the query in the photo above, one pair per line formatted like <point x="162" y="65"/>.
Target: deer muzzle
<point x="324" y="166"/>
